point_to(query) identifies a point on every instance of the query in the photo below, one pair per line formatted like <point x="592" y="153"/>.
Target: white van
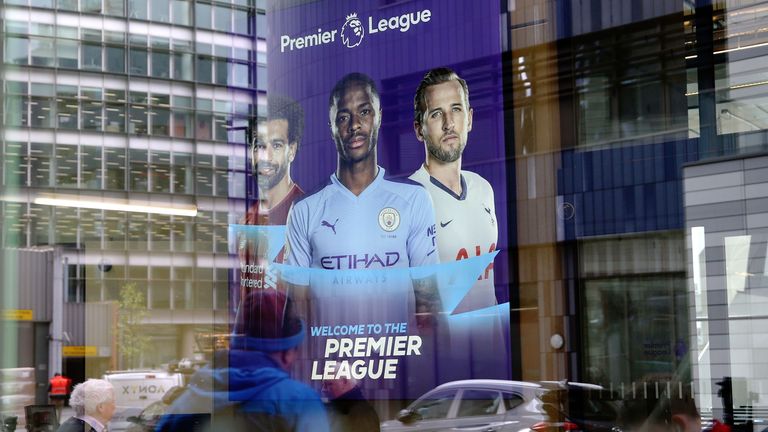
<point x="135" y="390"/>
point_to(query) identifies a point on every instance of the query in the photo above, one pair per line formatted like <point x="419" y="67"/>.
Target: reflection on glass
<point x="40" y="158"/>
<point x="90" y="162"/>
<point x="66" y="165"/>
<point x="115" y="163"/>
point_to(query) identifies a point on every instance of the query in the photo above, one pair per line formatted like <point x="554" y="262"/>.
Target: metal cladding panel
<point x="88" y="324"/>
<point x="28" y="281"/>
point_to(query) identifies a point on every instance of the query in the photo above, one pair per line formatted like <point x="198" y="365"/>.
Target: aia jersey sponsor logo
<point x="464" y="254"/>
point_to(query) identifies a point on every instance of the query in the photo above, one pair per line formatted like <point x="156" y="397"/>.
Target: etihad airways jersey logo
<point x="353" y="30"/>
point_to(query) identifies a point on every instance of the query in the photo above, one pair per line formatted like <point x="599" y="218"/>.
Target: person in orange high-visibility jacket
<point x="58" y="389"/>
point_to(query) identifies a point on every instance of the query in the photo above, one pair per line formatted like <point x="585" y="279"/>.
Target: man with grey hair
<point x="94" y="405"/>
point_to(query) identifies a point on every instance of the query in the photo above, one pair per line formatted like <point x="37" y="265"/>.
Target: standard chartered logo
<point x="353" y="31"/>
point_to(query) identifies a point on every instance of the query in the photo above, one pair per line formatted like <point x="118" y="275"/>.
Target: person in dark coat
<point x="94" y="405"/>
<point x="248" y="388"/>
<point x="348" y="409"/>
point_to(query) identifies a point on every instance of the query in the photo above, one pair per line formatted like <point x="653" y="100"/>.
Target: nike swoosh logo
<point x="443" y="225"/>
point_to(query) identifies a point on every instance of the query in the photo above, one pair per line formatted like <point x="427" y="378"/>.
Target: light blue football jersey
<point x="389" y="224"/>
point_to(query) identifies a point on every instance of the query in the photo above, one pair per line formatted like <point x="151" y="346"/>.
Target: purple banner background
<point x="460" y="34"/>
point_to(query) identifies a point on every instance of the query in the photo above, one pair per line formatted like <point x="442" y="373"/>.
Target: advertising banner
<point x="382" y="192"/>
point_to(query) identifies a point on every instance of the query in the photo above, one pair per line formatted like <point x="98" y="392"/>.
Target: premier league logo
<point x="352" y="31"/>
<point x="389" y="219"/>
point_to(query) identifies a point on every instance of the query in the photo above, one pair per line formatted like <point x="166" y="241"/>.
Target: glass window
<point x="67" y="107"/>
<point x="16" y="49"/>
<point x="15" y="165"/>
<point x="161" y="118"/>
<point x="159" y="10"/>
<point x="160" y="170"/>
<point x="114" y="36"/>
<point x="204" y="126"/>
<point x="137" y="9"/>
<point x="182" y="123"/>
<point x="16" y="110"/>
<point x="92" y="105"/>
<point x="479" y="403"/>
<point x="204" y="175"/>
<point x="261" y="77"/>
<point x="435" y="406"/>
<point x="67" y="4"/>
<point x="240" y="75"/>
<point x="181" y="12"/>
<point x="42" y="105"/>
<point x="65" y="226"/>
<point x="48" y="4"/>
<point x="91" y="6"/>
<point x="114" y="7"/>
<point x="115" y="59"/>
<point x="241" y="21"/>
<point x="139" y="170"/>
<point x="40" y="158"/>
<point x="66" y="165"/>
<point x="138" y="124"/>
<point x="91" y="59"/>
<point x="261" y="25"/>
<point x="220" y="128"/>
<point x="182" y="66"/>
<point x="203" y="15"/>
<point x="90" y="165"/>
<point x="137" y="239"/>
<point x="183" y="173"/>
<point x="115" y="117"/>
<point x="41" y="224"/>
<point x="138" y="61"/>
<point x="66" y="53"/>
<point x="115" y="168"/>
<point x="221" y="71"/>
<point x="203" y="69"/>
<point x="512" y="401"/>
<point x="42" y="51"/>
<point x="161" y="67"/>
<point x="222" y="16"/>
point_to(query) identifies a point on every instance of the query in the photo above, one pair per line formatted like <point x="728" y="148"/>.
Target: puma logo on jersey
<point x="329" y="225"/>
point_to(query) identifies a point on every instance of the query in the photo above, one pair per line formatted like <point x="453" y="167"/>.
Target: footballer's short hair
<point x="434" y="77"/>
<point x="284" y="108"/>
<point x="349" y="80"/>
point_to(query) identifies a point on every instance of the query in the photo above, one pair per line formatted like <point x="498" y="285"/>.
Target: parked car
<point x="497" y="405"/>
<point x="136" y="390"/>
<point x="147" y="420"/>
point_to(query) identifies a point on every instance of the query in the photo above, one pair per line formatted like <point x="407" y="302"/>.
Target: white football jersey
<point x="466" y="227"/>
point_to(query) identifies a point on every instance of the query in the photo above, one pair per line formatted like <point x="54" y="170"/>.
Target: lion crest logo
<point x="352" y="31"/>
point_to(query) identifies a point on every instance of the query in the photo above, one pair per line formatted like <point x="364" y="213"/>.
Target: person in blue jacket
<point x="248" y="387"/>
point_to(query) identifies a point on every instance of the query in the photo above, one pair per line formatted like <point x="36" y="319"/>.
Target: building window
<point x="40" y="158"/>
<point x="66" y="53"/>
<point x="203" y="15"/>
<point x="66" y="165"/>
<point x="90" y="167"/>
<point x="182" y="66"/>
<point x="138" y="57"/>
<point x="67" y="107"/>
<point x="16" y="49"/>
<point x="160" y="10"/>
<point x="42" y="51"/>
<point x="181" y="12"/>
<point x="161" y="67"/>
<point x="91" y="59"/>
<point x="115" y="168"/>
<point x="222" y="16"/>
<point x="42" y="105"/>
<point x="92" y="105"/>
<point x="137" y="9"/>
<point x="115" y="59"/>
